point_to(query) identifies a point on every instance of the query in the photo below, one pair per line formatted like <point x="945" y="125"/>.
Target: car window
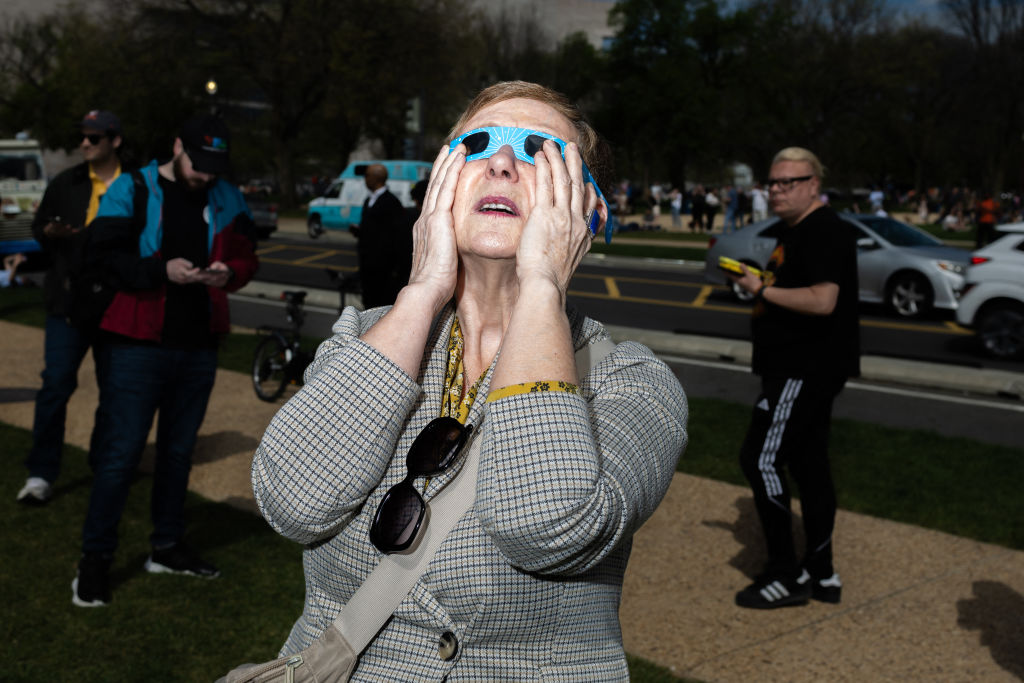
<point x="898" y="234"/>
<point x="333" y="191"/>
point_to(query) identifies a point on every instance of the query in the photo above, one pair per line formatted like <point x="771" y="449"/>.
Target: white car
<point x="992" y="303"/>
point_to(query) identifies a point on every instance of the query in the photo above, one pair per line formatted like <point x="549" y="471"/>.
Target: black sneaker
<point x="179" y="559"/>
<point x="91" y="587"/>
<point x="824" y="590"/>
<point x="770" y="591"/>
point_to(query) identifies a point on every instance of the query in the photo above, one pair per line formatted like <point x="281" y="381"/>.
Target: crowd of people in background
<point x="695" y="207"/>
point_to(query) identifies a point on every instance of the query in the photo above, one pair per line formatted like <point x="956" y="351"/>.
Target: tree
<point x="994" y="93"/>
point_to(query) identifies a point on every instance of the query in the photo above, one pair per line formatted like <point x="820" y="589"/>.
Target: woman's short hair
<point x="595" y="151"/>
<point x="801" y="154"/>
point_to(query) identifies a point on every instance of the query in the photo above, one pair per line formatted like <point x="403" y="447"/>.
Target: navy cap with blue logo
<point x="205" y="138"/>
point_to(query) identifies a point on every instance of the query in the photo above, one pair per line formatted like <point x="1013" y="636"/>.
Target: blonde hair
<point x="801" y="154"/>
<point x="594" y="150"/>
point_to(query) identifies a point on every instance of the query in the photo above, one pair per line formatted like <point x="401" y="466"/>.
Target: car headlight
<point x="951" y="267"/>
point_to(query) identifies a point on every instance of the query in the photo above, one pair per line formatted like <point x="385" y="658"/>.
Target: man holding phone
<point x="68" y="207"/>
<point x="172" y="253"/>
<point x="806" y="345"/>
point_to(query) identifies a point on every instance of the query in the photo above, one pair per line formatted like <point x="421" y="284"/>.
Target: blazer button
<point x="447" y="646"/>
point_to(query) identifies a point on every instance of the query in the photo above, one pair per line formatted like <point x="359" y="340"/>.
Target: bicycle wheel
<point x="270" y="368"/>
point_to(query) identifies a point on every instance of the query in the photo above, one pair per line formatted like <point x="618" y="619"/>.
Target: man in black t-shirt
<point x="805" y="346"/>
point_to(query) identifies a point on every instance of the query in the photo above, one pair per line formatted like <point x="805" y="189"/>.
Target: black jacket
<point x="385" y="250"/>
<point x="67" y="198"/>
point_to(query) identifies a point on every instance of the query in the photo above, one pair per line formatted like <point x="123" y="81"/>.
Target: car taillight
<point x="978" y="260"/>
<point x="273" y="208"/>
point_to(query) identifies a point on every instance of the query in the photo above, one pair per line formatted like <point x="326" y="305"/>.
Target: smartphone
<point x="732" y="266"/>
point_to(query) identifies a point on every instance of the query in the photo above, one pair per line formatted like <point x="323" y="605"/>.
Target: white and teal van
<point x="341" y="206"/>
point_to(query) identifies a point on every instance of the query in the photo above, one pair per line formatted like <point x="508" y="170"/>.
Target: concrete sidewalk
<point x="918" y="605"/>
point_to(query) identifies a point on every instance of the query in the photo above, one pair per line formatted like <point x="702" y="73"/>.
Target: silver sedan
<point x="898" y="265"/>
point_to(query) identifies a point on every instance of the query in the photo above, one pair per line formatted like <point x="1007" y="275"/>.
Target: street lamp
<point x="211" y="87"/>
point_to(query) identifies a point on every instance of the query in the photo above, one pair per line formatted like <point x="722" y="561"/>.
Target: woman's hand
<point x="556" y="235"/>
<point x="435" y="259"/>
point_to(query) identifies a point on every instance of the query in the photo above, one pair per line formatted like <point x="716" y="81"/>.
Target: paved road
<point x="669" y="296"/>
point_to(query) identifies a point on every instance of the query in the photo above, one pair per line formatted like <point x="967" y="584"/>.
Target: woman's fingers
<point x="545" y="196"/>
<point x="438" y="173"/>
<point x="451" y="168"/>
<point x="574" y="167"/>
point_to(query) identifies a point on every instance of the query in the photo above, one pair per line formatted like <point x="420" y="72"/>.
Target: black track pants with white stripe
<point x="789" y="431"/>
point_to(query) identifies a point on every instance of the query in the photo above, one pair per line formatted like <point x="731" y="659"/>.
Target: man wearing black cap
<point x="172" y="266"/>
<point x="68" y="207"/>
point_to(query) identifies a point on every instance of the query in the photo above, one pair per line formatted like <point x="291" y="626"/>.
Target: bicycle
<point x="279" y="359"/>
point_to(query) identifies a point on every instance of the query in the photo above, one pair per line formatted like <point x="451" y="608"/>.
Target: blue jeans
<point x="730" y="220"/>
<point x="64" y="349"/>
<point x="139" y="381"/>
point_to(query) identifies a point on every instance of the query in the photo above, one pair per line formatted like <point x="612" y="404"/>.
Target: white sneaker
<point x="36" y="491"/>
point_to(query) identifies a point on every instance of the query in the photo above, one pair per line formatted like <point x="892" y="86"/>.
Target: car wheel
<point x="1001" y="330"/>
<point x="740" y="293"/>
<point x="910" y="295"/>
<point x="314" y="227"/>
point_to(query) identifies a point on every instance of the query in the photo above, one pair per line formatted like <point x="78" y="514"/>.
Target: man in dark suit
<point x="385" y="242"/>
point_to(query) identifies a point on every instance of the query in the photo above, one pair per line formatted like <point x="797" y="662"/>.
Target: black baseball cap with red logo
<point x="205" y="138"/>
<point x="104" y="121"/>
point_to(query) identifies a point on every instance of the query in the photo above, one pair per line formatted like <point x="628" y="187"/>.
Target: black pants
<point x="789" y="430"/>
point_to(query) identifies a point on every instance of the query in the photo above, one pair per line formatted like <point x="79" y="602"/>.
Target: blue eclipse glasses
<point x="483" y="143"/>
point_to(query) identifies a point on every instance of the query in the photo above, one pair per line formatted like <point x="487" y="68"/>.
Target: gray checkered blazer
<point x="529" y="581"/>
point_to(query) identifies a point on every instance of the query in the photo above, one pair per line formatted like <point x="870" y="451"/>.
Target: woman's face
<point x="495" y="196"/>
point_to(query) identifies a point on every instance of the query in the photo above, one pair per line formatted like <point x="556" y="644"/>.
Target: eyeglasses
<point x="400" y="513"/>
<point x="93" y="138"/>
<point x="786" y="184"/>
<point x="483" y="143"/>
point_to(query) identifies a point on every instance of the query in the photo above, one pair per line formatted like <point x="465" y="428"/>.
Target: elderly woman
<point x="527" y="585"/>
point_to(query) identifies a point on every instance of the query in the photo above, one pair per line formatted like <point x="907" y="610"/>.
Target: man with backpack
<point x="61" y="226"/>
<point x="169" y="262"/>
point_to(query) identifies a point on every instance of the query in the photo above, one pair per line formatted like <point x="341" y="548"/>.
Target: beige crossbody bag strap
<point x="396" y="574"/>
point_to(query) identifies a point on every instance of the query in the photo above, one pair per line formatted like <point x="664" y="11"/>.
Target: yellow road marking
<point x="318" y="266"/>
<point x="271" y="249"/>
<point x="315" y="257"/>
<point x="641" y="280"/>
<point x="613" y="289"/>
<point x="702" y="297"/>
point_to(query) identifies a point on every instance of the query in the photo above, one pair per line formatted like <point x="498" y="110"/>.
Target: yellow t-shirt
<point x="99" y="188"/>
